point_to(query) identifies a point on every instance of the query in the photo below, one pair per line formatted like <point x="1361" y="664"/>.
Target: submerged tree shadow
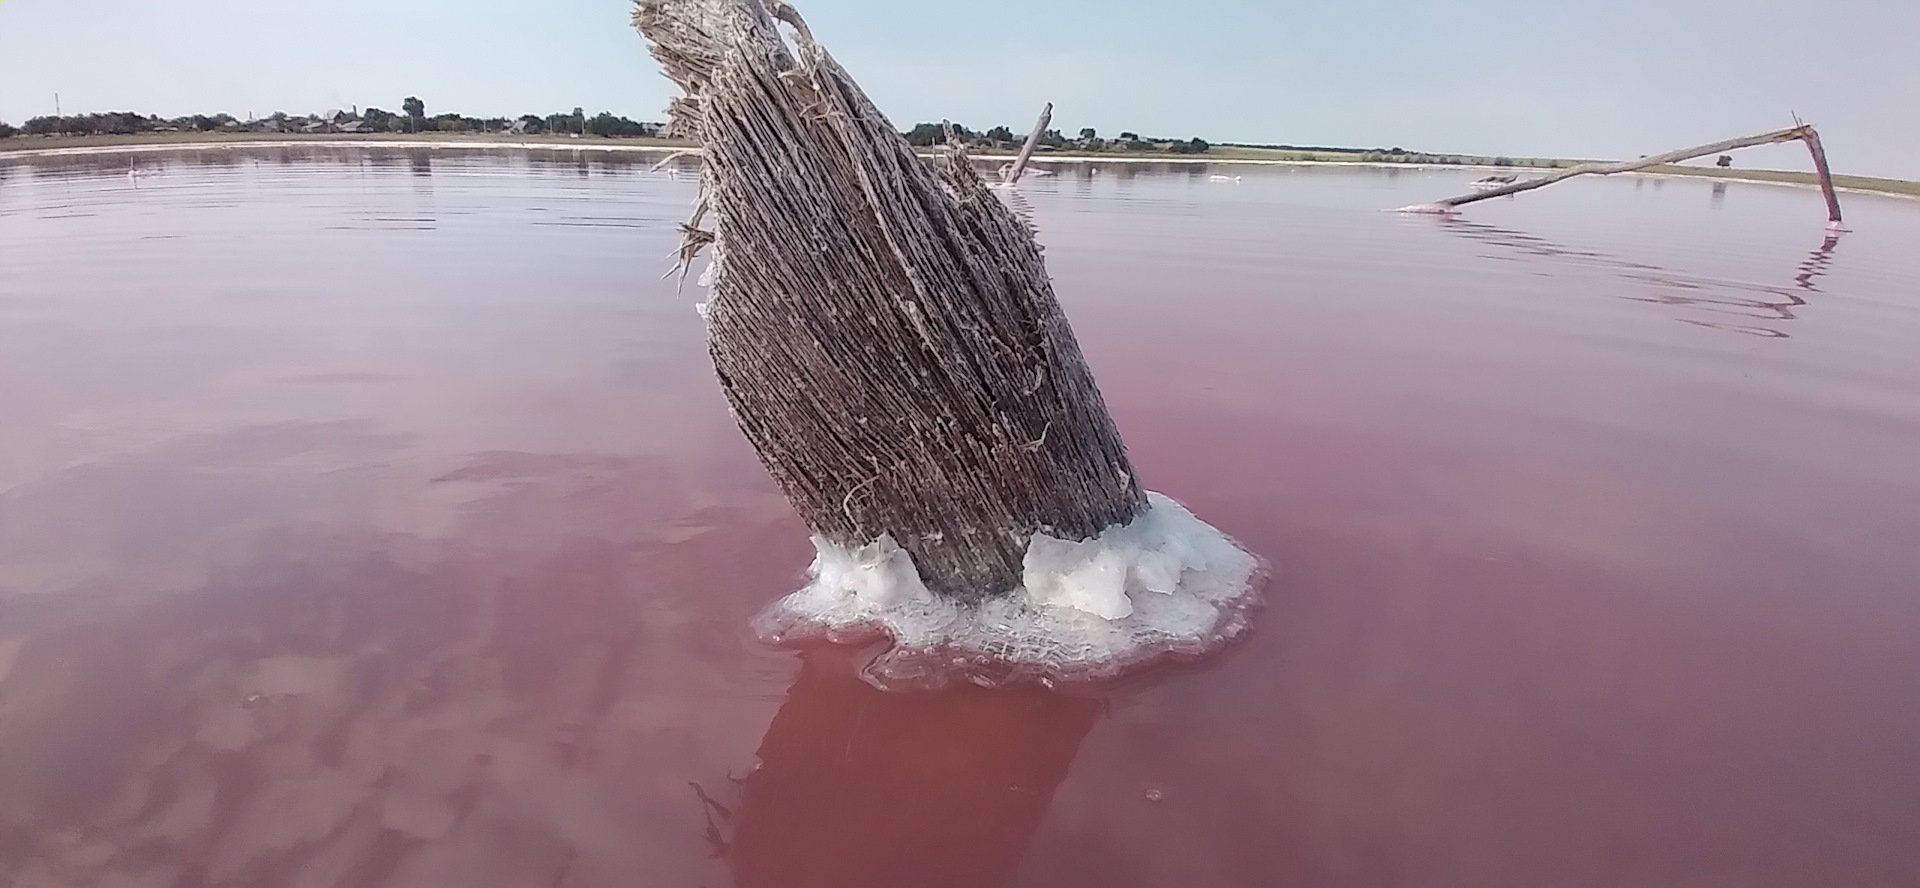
<point x="1770" y="306"/>
<point x="855" y="786"/>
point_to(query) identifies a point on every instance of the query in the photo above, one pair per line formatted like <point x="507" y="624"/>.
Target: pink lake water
<point x="371" y="517"/>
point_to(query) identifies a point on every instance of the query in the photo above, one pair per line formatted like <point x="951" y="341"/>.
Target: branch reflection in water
<point x="1770" y="305"/>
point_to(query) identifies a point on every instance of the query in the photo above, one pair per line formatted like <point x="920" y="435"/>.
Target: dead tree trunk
<point x="883" y="328"/>
<point x="1801" y="132"/>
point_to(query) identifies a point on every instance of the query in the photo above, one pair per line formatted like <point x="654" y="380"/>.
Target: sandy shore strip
<point x="608" y="146"/>
<point x="154" y="147"/>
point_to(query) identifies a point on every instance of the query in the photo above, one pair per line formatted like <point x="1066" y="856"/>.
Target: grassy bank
<point x="1874" y="184"/>
<point x="1354" y="155"/>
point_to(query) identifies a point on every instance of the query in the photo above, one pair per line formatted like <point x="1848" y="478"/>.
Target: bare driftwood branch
<point x="1800" y="132"/>
<point x="882" y="325"/>
<point x="1012" y="174"/>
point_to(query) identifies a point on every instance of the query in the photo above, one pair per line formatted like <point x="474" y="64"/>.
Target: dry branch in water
<point x="1800" y="132"/>
<point x="883" y="327"/>
<point x="1012" y="174"/>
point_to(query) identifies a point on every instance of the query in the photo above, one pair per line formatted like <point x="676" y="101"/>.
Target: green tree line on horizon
<point x="928" y="134"/>
<point x="412" y="118"/>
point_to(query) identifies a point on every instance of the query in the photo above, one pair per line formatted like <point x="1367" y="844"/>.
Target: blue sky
<point x="1541" y="77"/>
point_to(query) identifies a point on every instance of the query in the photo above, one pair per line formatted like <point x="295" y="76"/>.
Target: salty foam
<point x="1166" y="585"/>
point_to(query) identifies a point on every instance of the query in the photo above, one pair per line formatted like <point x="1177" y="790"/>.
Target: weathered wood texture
<point x="1805" y="133"/>
<point x="883" y="327"/>
<point x="1825" y="173"/>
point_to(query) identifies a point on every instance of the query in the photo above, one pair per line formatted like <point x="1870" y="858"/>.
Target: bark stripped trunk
<point x="884" y="330"/>
<point x="1825" y="174"/>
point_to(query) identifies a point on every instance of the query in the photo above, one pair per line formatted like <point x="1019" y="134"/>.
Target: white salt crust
<point x="1166" y="585"/>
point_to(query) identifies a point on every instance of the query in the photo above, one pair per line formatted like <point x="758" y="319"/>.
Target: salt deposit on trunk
<point x="1166" y="585"/>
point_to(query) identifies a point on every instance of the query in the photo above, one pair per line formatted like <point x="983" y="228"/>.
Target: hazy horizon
<point x="1488" y="77"/>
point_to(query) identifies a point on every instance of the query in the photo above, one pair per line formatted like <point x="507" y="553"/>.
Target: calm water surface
<point x="371" y="517"/>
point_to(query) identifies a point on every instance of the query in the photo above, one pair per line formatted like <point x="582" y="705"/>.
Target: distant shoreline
<point x="57" y="146"/>
<point x="25" y="147"/>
